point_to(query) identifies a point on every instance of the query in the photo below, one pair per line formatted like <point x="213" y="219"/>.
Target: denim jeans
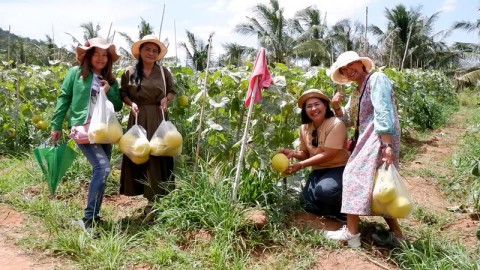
<point x="99" y="157"/>
<point x="322" y="195"/>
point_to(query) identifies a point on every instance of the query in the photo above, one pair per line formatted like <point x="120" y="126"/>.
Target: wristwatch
<point x="385" y="145"/>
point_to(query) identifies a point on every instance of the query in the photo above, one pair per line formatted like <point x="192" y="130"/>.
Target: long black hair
<point x="328" y="112"/>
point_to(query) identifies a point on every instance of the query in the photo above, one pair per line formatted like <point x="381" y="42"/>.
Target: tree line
<point x="406" y="41"/>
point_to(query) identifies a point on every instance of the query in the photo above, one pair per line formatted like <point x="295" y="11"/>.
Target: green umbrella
<point x="54" y="162"/>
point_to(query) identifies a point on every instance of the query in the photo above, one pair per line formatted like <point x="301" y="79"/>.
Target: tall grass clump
<point x="108" y="250"/>
<point x="428" y="253"/>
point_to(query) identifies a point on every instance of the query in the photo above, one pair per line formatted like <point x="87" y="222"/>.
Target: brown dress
<point x="150" y="178"/>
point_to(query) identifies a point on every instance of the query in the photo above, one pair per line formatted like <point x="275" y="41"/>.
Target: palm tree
<point x="235" y="53"/>
<point x="311" y="38"/>
<point x="470" y="51"/>
<point x="197" y="52"/>
<point x="89" y="31"/>
<point x="144" y="28"/>
<point x="409" y="40"/>
<point x="468" y="26"/>
<point x="269" y="25"/>
<point x="345" y="37"/>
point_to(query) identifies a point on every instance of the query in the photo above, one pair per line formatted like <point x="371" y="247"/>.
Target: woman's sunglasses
<point x="315" y="138"/>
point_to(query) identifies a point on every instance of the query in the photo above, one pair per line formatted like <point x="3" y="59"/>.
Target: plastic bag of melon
<point x="390" y="196"/>
<point x="166" y="141"/>
<point x="134" y="144"/>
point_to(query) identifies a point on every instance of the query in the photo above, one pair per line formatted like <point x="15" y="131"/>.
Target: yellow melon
<point x="377" y="208"/>
<point x="115" y="132"/>
<point x="139" y="160"/>
<point x="280" y="162"/>
<point x="157" y="146"/>
<point x="126" y="143"/>
<point x="183" y="100"/>
<point x="386" y="192"/>
<point x="400" y="207"/>
<point x="141" y="147"/>
<point x="173" y="139"/>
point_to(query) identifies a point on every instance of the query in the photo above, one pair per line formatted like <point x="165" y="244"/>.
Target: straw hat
<point x="145" y="39"/>
<point x="345" y="59"/>
<point x="99" y="43"/>
<point x="310" y="94"/>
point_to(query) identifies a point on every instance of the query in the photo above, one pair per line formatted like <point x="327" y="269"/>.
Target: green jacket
<point x="75" y="95"/>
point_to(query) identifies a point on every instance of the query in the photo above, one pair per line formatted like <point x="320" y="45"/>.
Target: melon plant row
<point x="28" y="95"/>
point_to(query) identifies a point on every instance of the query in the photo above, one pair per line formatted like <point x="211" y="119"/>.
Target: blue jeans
<point x="98" y="155"/>
<point x="322" y="195"/>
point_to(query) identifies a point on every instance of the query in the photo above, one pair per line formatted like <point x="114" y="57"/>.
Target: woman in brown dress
<point x="147" y="88"/>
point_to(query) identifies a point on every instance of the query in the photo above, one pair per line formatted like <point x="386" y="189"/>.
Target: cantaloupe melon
<point x="400" y="207"/>
<point x="280" y="162"/>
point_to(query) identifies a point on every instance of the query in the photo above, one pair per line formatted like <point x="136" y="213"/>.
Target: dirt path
<point x="434" y="152"/>
<point x="11" y="256"/>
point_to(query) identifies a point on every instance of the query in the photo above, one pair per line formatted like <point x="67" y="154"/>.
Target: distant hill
<point x="30" y="51"/>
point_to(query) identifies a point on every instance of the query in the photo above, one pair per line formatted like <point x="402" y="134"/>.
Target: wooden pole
<point x="161" y="23"/>
<point x="204" y="98"/>
<point x="366" y="30"/>
<point x="236" y="182"/>
<point x="108" y="35"/>
<point x="175" y="38"/>
<point x="8" y="42"/>
<point x="406" y="47"/>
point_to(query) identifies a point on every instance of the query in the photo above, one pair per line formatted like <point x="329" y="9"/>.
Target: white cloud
<point x="449" y="5"/>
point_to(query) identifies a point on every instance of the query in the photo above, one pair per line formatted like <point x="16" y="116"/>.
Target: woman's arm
<point x="327" y="155"/>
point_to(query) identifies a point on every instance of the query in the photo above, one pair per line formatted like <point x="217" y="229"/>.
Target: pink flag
<point x="260" y="77"/>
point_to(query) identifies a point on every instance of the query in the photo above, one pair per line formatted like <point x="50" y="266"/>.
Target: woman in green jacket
<point x="78" y="95"/>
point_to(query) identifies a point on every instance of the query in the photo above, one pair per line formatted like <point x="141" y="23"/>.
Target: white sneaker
<point x="344" y="235"/>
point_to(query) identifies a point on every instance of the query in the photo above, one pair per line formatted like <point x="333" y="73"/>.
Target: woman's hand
<point x="55" y="136"/>
<point x="287" y="152"/>
<point x="105" y="85"/>
<point x="295" y="167"/>
<point x="337" y="99"/>
<point x="134" y="108"/>
<point x="163" y="103"/>
<point x="387" y="154"/>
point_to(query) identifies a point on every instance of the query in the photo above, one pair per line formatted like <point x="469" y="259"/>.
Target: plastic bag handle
<point x="163" y="114"/>
<point x="136" y="119"/>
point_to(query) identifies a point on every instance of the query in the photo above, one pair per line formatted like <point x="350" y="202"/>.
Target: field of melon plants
<point x="201" y="201"/>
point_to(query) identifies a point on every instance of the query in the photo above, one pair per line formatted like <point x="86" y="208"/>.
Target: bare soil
<point x="433" y="153"/>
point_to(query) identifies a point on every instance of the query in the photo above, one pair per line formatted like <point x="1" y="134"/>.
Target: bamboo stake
<point x="108" y="35"/>
<point x="161" y="23"/>
<point x="406" y="46"/>
<point x="244" y="142"/>
<point x="8" y="42"/>
<point x="204" y="97"/>
<point x="175" y="38"/>
<point x="366" y="29"/>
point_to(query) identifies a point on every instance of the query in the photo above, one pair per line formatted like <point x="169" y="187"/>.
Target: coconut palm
<point x="345" y="37"/>
<point x="311" y="34"/>
<point x="471" y="53"/>
<point x="408" y="39"/>
<point x="144" y="28"/>
<point x="269" y="25"/>
<point x="197" y="52"/>
<point x="89" y="31"/>
<point x="235" y="53"/>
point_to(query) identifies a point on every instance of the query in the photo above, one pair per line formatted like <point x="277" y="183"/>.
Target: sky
<point x="37" y="18"/>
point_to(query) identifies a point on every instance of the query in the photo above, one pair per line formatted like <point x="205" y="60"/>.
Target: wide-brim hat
<point x="345" y="59"/>
<point x="152" y="39"/>
<point x="99" y="43"/>
<point x="310" y="94"/>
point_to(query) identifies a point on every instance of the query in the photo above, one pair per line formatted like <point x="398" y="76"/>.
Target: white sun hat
<point x="345" y="59"/>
